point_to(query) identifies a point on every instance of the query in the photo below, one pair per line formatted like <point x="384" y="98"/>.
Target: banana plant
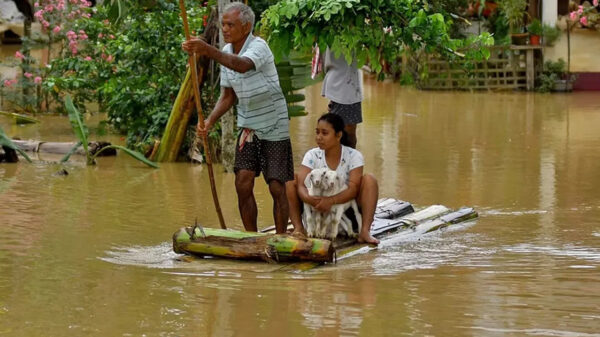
<point x="82" y="133"/>
<point x="5" y="141"/>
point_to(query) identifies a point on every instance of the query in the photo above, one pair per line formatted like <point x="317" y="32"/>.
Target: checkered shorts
<point x="272" y="158"/>
<point x="350" y="113"/>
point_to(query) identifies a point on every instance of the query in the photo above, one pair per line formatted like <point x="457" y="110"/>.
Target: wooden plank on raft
<point x="412" y="226"/>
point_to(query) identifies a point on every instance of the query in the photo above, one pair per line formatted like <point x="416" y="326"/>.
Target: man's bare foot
<point x="299" y="233"/>
<point x="367" y="238"/>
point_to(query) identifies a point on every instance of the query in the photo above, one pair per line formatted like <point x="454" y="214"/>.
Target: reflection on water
<point x="90" y="253"/>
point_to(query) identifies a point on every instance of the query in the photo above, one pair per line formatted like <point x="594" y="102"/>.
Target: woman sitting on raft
<point x="333" y="152"/>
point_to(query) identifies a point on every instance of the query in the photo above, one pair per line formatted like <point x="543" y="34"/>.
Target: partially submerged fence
<point x="509" y="67"/>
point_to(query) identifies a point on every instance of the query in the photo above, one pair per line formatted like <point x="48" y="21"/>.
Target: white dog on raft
<point x="325" y="182"/>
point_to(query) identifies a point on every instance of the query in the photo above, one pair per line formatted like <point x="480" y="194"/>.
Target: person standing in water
<point x="249" y="76"/>
<point x="342" y="86"/>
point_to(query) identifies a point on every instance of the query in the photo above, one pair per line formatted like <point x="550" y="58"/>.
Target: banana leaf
<point x="296" y="111"/>
<point x="20" y="119"/>
<point x="81" y="131"/>
<point x="68" y="155"/>
<point x="5" y="141"/>
<point x="132" y="153"/>
<point x="294" y="98"/>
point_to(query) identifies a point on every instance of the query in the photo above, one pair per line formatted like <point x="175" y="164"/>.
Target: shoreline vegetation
<point x="127" y="58"/>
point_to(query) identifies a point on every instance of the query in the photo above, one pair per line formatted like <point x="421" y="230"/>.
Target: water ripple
<point x="582" y="253"/>
<point x="538" y="332"/>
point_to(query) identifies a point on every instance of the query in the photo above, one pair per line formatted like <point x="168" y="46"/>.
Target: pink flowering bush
<point x="586" y="15"/>
<point x="132" y="68"/>
<point x="57" y="19"/>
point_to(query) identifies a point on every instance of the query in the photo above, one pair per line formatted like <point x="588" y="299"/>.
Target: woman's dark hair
<point x="337" y="123"/>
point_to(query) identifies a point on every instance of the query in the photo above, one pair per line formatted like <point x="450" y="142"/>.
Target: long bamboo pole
<point x="192" y="62"/>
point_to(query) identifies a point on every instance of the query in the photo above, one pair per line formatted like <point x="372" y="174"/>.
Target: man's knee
<point x="290" y="186"/>
<point x="277" y="188"/>
<point x="244" y="182"/>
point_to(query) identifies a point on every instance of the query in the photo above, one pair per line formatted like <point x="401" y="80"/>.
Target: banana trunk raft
<point x="392" y="218"/>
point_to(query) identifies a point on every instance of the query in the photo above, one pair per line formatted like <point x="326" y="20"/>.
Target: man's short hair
<point x="246" y="13"/>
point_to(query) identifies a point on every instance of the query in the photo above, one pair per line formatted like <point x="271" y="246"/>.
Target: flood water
<point x="89" y="254"/>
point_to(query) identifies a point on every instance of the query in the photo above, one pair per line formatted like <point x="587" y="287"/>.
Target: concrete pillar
<point x="549" y="12"/>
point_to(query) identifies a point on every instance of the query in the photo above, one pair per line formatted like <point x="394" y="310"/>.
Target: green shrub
<point x="134" y="69"/>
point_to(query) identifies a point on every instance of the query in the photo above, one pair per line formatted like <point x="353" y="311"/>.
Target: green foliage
<point x="82" y="133"/>
<point x="373" y="31"/>
<point x="132" y="153"/>
<point x="514" y="11"/>
<point x="546" y="82"/>
<point x="498" y="27"/>
<point x="451" y="9"/>
<point x="57" y="19"/>
<point x="294" y="74"/>
<point x="80" y="129"/>
<point x="134" y="69"/>
<point x="22" y="92"/>
<point x="5" y="141"/>
<point x="550" y="34"/>
<point x="535" y="27"/>
<point x="557" y="67"/>
<point x="553" y="71"/>
<point x="259" y="6"/>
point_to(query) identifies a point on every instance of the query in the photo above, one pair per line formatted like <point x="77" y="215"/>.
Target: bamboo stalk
<point x="193" y="67"/>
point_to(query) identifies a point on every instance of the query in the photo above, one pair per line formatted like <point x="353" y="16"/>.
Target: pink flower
<point x="71" y="35"/>
<point x="39" y="14"/>
<point x="573" y="16"/>
<point x="595" y="2"/>
<point x="28" y="75"/>
<point x="56" y="29"/>
<point x="87" y="58"/>
<point x="111" y="36"/>
<point x="7" y="83"/>
<point x="100" y="35"/>
<point x="19" y="55"/>
<point x="37" y="4"/>
<point x="584" y="20"/>
<point x="109" y="58"/>
<point x="37" y="80"/>
<point x="580" y="10"/>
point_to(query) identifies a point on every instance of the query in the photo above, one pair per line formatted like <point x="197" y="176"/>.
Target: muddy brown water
<point x="89" y="254"/>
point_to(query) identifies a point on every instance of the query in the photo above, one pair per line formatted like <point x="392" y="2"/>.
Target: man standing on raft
<point x="248" y="75"/>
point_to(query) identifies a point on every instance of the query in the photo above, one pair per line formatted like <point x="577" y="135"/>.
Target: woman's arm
<point x="344" y="196"/>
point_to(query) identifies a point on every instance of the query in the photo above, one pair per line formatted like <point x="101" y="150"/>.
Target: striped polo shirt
<point x="261" y="104"/>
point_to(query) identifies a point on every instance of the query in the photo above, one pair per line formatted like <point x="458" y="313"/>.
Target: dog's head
<point x="314" y="179"/>
<point x="330" y="180"/>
